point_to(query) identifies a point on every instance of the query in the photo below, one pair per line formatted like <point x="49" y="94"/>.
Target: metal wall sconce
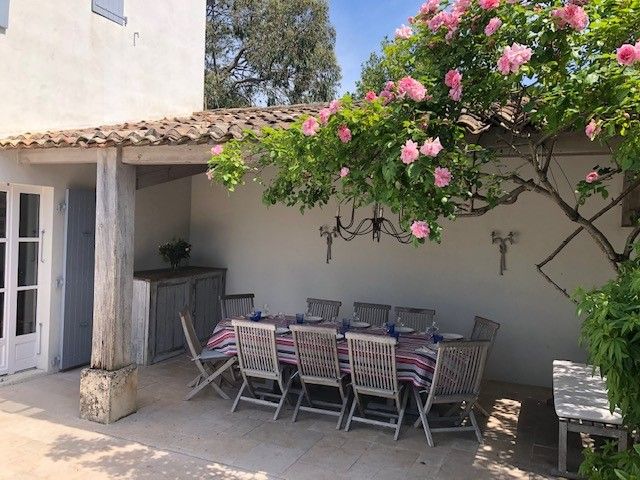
<point x="502" y="241"/>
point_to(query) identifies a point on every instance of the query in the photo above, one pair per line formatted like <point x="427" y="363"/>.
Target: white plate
<point x="282" y="330"/>
<point x="339" y="336"/>
<point x="451" y="336"/>
<point x="360" y="325"/>
<point x="312" y="319"/>
<point x="427" y="350"/>
<point x="401" y="329"/>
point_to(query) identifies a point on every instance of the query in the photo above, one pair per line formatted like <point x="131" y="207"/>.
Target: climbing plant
<point x="534" y="70"/>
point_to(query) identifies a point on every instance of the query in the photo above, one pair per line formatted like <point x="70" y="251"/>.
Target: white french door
<point x="21" y="256"/>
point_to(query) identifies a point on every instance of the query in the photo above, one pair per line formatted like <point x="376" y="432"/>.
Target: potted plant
<point x="175" y="251"/>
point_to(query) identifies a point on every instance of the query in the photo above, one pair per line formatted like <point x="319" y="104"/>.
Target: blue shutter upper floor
<point x="111" y="9"/>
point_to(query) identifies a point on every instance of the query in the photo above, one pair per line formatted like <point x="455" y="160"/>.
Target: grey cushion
<point x="211" y="355"/>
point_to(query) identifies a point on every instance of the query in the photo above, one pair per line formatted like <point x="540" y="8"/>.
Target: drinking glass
<point x="299" y="318"/>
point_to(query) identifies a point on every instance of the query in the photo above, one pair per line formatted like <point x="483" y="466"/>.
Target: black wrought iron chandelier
<point x="375" y="226"/>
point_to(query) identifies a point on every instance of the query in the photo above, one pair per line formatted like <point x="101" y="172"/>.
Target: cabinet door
<point x="206" y="311"/>
<point x="168" y="335"/>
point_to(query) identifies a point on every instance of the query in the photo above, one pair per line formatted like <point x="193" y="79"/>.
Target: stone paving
<point x="171" y="438"/>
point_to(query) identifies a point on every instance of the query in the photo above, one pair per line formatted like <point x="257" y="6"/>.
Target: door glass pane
<point x="26" y="318"/>
<point x="3" y="246"/>
<point x="29" y="215"/>
<point x="1" y="315"/>
<point x="27" y="264"/>
<point x="3" y="214"/>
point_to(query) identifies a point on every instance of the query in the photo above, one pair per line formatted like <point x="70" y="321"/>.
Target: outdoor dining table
<point x="416" y="368"/>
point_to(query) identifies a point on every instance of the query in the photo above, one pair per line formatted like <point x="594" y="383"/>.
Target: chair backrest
<point x="316" y="352"/>
<point x="373" y="362"/>
<point x="256" y="344"/>
<point x="190" y="333"/>
<point x="327" y="309"/>
<point x="485" y="329"/>
<point x="417" y="318"/>
<point x="459" y="369"/>
<point x="374" y="313"/>
<point x="236" y="305"/>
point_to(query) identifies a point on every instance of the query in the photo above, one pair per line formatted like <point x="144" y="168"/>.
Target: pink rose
<point x="344" y="171"/>
<point x="429" y="7"/>
<point x="404" y="32"/>
<point x="387" y="96"/>
<point x="592" y="130"/>
<point x="450" y="20"/>
<point x="370" y="96"/>
<point x="216" y="149"/>
<point x="209" y="174"/>
<point x="324" y="115"/>
<point x="310" y="127"/>
<point x="494" y="24"/>
<point x="334" y="106"/>
<point x="489" y="4"/>
<point x="572" y="15"/>
<point x="628" y="54"/>
<point x="461" y="6"/>
<point x="513" y="58"/>
<point x="413" y="88"/>
<point x="442" y="177"/>
<point x="456" y="94"/>
<point x="409" y="152"/>
<point x="591" y="177"/>
<point x="344" y="134"/>
<point x="453" y="78"/>
<point x="431" y="147"/>
<point x="420" y="229"/>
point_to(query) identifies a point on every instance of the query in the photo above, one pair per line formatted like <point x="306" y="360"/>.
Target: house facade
<point x="82" y="63"/>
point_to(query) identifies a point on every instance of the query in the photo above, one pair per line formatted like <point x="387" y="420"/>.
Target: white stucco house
<point x="110" y="104"/>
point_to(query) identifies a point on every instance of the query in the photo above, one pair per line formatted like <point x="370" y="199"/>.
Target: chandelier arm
<point x="390" y="229"/>
<point x="357" y="231"/>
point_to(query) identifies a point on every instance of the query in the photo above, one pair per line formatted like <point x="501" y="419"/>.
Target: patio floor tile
<point x="172" y="438"/>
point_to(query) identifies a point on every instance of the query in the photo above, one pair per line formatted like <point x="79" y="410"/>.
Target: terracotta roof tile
<point x="211" y="126"/>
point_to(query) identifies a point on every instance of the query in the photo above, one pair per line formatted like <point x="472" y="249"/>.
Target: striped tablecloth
<point x="413" y="367"/>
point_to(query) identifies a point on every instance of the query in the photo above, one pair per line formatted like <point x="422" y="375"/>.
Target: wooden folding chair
<point x="318" y="364"/>
<point x="327" y="309"/>
<point x="211" y="364"/>
<point x="456" y="380"/>
<point x="258" y="358"/>
<point x="484" y="329"/>
<point x="376" y="314"/>
<point x="373" y="373"/>
<point x="236" y="305"/>
<point x="417" y="318"/>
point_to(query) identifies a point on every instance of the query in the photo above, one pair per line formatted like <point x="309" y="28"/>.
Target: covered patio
<point x="201" y="438"/>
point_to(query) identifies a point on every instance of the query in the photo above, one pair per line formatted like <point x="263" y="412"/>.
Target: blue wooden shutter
<point x="4" y="13"/>
<point x="111" y="9"/>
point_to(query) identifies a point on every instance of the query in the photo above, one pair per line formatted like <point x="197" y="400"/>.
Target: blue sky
<point x="360" y="26"/>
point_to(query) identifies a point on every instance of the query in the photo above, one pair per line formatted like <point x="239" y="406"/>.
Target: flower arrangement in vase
<point x="175" y="252"/>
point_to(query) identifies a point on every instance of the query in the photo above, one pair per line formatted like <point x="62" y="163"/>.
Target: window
<point x="4" y="14"/>
<point x="111" y="9"/>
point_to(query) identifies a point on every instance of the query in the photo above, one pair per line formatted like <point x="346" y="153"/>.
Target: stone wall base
<point x="108" y="396"/>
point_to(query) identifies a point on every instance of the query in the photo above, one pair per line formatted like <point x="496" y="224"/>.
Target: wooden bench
<point x="581" y="403"/>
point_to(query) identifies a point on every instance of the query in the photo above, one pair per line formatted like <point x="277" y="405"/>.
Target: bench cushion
<point x="580" y="395"/>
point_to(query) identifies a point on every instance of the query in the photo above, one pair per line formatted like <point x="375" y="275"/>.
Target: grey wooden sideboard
<point x="158" y="296"/>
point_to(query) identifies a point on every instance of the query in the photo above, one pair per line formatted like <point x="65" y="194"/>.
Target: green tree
<point x="269" y="52"/>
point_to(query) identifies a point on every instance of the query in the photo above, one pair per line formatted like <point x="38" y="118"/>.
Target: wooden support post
<point x="108" y="388"/>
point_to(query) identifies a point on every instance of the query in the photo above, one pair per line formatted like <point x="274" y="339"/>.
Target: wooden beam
<point x="52" y="156"/>
<point x="167" y="155"/>
<point x="150" y="175"/>
<point x="113" y="291"/>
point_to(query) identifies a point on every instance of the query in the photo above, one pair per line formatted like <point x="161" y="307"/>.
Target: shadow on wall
<point x="119" y="459"/>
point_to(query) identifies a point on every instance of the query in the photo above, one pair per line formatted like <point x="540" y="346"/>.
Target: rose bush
<point x="567" y="66"/>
